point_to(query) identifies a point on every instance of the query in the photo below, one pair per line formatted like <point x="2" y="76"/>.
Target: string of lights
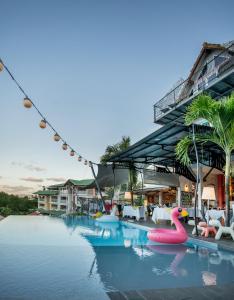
<point x="28" y="103"/>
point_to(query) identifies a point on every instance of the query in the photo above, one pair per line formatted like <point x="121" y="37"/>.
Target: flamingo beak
<point x="184" y="213"/>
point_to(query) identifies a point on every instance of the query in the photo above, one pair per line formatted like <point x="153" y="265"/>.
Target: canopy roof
<point x="109" y="175"/>
<point x="159" y="148"/>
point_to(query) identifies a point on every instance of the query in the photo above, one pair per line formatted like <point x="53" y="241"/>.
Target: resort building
<point x="66" y="196"/>
<point x="212" y="73"/>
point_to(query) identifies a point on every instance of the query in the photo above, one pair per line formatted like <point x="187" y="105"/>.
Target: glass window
<point x="219" y="59"/>
<point x="203" y="72"/>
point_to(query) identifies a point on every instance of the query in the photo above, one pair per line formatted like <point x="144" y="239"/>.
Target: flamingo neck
<point x="178" y="225"/>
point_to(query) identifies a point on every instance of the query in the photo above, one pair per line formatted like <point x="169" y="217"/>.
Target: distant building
<point x="66" y="196"/>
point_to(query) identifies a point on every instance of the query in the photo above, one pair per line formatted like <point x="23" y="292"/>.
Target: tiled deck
<point x="193" y="293"/>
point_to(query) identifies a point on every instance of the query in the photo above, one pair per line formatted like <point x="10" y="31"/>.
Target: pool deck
<point x="191" y="293"/>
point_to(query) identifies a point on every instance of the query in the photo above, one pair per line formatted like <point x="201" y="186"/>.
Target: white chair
<point x="222" y="229"/>
<point x="114" y="210"/>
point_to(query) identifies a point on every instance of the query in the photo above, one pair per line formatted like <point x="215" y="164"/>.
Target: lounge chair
<point x="222" y="229"/>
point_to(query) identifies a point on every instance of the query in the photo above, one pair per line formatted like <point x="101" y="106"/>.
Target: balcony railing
<point x="216" y="66"/>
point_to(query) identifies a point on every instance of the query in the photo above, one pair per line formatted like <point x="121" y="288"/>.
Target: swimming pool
<point x="77" y="258"/>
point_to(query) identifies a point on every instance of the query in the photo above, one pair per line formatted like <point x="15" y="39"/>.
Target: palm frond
<point x="182" y="150"/>
<point x="203" y="107"/>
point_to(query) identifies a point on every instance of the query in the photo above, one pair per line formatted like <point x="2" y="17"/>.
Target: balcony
<point x="63" y="191"/>
<point x="218" y="81"/>
<point x="54" y="200"/>
<point x="85" y="194"/>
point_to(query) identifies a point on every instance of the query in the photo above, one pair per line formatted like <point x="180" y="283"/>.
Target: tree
<point x="220" y="115"/>
<point x="115" y="149"/>
<point x="11" y="204"/>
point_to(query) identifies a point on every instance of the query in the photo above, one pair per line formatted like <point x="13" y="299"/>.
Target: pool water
<point x="77" y="258"/>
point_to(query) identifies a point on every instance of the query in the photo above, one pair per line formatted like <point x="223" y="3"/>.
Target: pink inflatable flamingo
<point x="171" y="236"/>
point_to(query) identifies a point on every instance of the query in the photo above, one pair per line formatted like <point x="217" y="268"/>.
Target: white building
<point x="66" y="196"/>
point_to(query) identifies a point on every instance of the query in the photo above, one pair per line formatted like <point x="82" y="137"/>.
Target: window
<point x="63" y="198"/>
<point x="203" y="72"/>
<point x="219" y="60"/>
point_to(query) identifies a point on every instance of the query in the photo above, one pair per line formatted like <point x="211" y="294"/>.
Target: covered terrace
<point x="158" y="150"/>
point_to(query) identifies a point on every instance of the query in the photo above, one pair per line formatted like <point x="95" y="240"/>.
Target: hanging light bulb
<point x="1" y="66"/>
<point x="72" y="153"/>
<point x="27" y="102"/>
<point x="90" y="164"/>
<point x="86" y="162"/>
<point x="64" y="146"/>
<point x="79" y="158"/>
<point x="56" y="137"/>
<point x="42" y="124"/>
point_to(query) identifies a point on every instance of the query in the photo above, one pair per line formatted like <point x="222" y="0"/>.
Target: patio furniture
<point x="192" y="223"/>
<point x="161" y="213"/>
<point x="222" y="229"/>
<point x="214" y="214"/>
<point x="206" y="230"/>
<point x="137" y="212"/>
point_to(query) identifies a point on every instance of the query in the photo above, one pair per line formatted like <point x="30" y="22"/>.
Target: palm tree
<point x="220" y="115"/>
<point x="115" y="149"/>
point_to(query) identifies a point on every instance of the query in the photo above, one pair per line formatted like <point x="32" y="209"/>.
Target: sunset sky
<point x="95" y="69"/>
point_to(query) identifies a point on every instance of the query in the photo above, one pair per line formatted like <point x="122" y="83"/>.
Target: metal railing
<point x="188" y="88"/>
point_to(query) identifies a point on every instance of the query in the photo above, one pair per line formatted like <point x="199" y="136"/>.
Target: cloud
<point x="1" y="177"/>
<point x="56" y="179"/>
<point x="17" y="189"/>
<point x="29" y="167"/>
<point x="32" y="179"/>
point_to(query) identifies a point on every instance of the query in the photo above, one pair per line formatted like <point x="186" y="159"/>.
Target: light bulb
<point x="64" y="146"/>
<point x="42" y="124"/>
<point x="56" y="137"/>
<point x="27" y="103"/>
<point x="1" y="66"/>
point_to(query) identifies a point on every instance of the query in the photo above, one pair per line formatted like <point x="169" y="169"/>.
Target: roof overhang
<point x="158" y="148"/>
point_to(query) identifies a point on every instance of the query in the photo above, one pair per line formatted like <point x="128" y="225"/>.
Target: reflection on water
<point x="178" y="251"/>
<point x="43" y="257"/>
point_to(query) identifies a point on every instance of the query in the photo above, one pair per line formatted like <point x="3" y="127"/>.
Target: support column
<point x="220" y="190"/>
<point x="69" y="200"/>
<point x="200" y="187"/>
<point x="178" y="196"/>
<point x="160" y="198"/>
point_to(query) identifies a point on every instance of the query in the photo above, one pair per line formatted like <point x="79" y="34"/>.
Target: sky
<point x="94" y="69"/>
